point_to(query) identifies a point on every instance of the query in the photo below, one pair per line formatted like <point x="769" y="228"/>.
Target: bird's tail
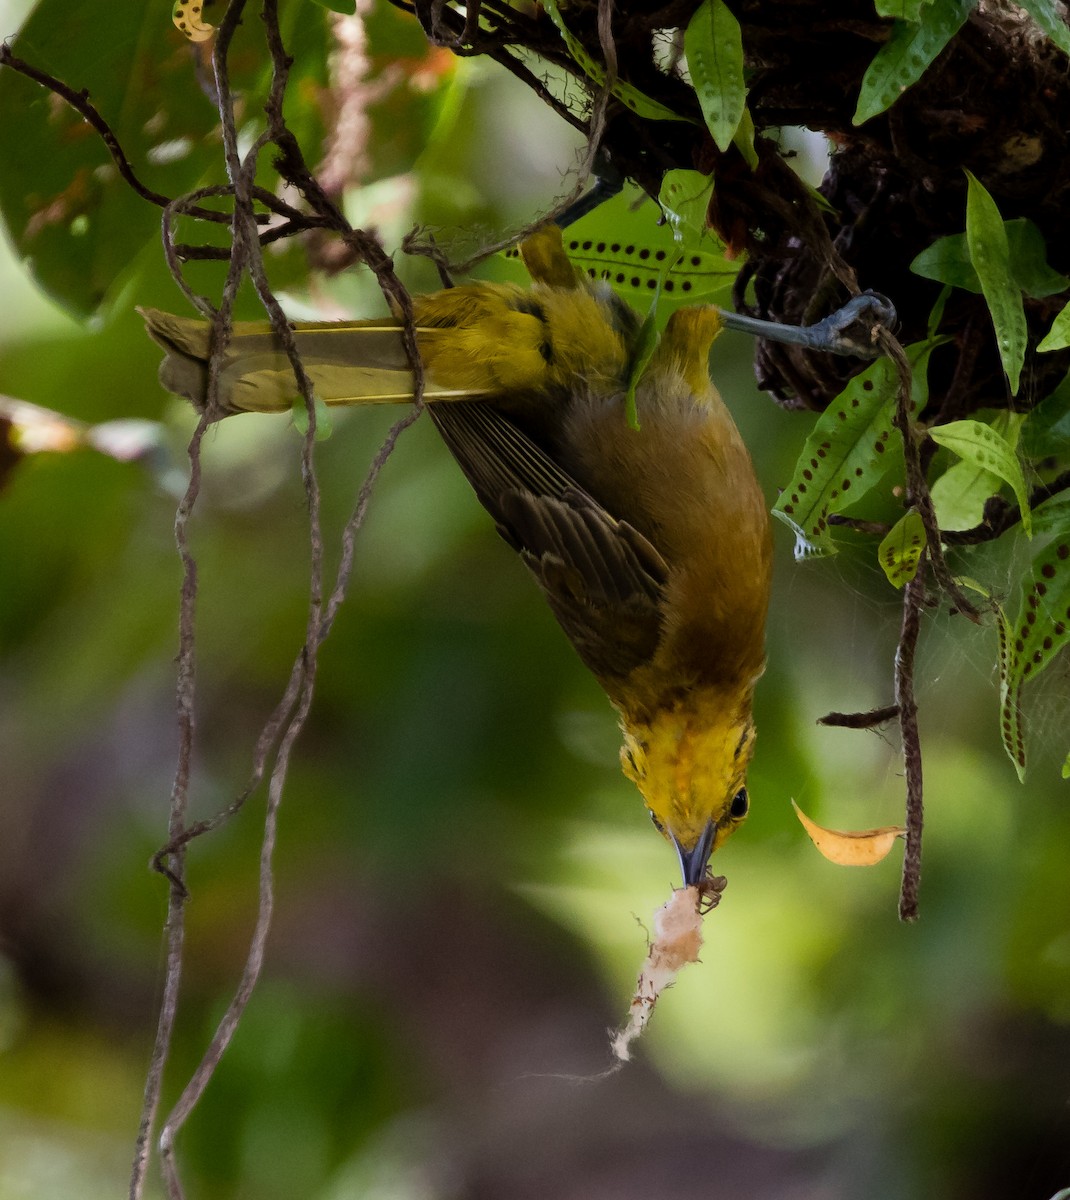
<point x="353" y="362"/>
<point x="476" y="341"/>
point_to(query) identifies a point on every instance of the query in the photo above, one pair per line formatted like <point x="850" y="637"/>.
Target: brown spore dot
<point x="845" y="485"/>
<point x="879" y="447"/>
<point x="644" y="254"/>
<point x="1048" y="571"/>
<point x="635" y="281"/>
<point x="807" y="473"/>
<point x="867" y="385"/>
<point x="1063" y="551"/>
<point x="1047" y="643"/>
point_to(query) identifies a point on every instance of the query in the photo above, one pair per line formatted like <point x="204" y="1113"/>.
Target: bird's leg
<point x="851" y="329"/>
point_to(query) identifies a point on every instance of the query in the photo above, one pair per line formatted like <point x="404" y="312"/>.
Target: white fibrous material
<point x="677" y="942"/>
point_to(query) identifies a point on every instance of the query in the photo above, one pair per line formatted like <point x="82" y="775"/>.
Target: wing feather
<point x="604" y="580"/>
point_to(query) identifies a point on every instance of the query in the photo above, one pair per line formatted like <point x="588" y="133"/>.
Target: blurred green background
<point x="464" y="876"/>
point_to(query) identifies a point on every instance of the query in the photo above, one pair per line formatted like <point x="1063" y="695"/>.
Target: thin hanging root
<point x="677" y="942"/>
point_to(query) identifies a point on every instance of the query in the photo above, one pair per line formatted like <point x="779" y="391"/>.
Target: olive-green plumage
<point x="652" y="546"/>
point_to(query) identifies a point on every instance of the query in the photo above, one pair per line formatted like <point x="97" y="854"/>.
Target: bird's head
<point x="690" y="763"/>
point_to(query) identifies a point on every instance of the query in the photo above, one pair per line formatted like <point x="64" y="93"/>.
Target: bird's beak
<point x="693" y="862"/>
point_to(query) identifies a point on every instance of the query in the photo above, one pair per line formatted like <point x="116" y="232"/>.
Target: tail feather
<point x="353" y="362"/>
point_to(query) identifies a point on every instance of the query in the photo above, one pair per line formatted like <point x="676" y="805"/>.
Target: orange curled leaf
<point x="850" y="848"/>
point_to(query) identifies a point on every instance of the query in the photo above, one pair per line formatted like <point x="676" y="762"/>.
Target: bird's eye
<point x="737" y="810"/>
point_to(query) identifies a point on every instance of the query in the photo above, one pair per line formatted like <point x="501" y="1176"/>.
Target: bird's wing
<point x="603" y="579"/>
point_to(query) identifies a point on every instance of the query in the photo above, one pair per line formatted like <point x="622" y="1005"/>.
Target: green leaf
<point x="960" y="493"/>
<point x="1029" y="260"/>
<point x="845" y="454"/>
<point x="646" y="342"/>
<point x="948" y="260"/>
<point x="685" y="200"/>
<point x="904" y="10"/>
<point x="1047" y="427"/>
<point x="900" y="551"/>
<point x="345" y="7"/>
<point x="713" y="46"/>
<point x="903" y="59"/>
<point x="744" y="143"/>
<point x="1040" y="631"/>
<point x="633" y="266"/>
<point x="1053" y="24"/>
<point x="1052" y="515"/>
<point x="990" y="253"/>
<point x="77" y="224"/>
<point x="628" y="95"/>
<point x="1058" y="336"/>
<point x="984" y="447"/>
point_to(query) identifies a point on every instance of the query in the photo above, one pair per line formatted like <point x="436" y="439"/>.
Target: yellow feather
<point x="652" y="546"/>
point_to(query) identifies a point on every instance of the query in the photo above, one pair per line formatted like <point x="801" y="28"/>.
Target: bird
<point x="651" y="545"/>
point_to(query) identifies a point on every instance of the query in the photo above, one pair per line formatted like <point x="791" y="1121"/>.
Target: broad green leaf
<point x="633" y="268"/>
<point x="685" y="199"/>
<point x="1047" y="427"/>
<point x="1052" y="22"/>
<point x="631" y="97"/>
<point x="1052" y="515"/>
<point x="70" y="215"/>
<point x="936" y="313"/>
<point x="984" y="447"/>
<point x="960" y="493"/>
<point x="1058" y="336"/>
<point x="947" y="260"/>
<point x="903" y="59"/>
<point x="990" y="254"/>
<point x="1040" y="631"/>
<point x="625" y="243"/>
<point x="845" y="454"/>
<point x="713" y="46"/>
<point x="1029" y="260"/>
<point x="900" y="551"/>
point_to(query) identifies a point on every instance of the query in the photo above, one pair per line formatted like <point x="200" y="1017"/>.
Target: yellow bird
<point x="652" y="546"/>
